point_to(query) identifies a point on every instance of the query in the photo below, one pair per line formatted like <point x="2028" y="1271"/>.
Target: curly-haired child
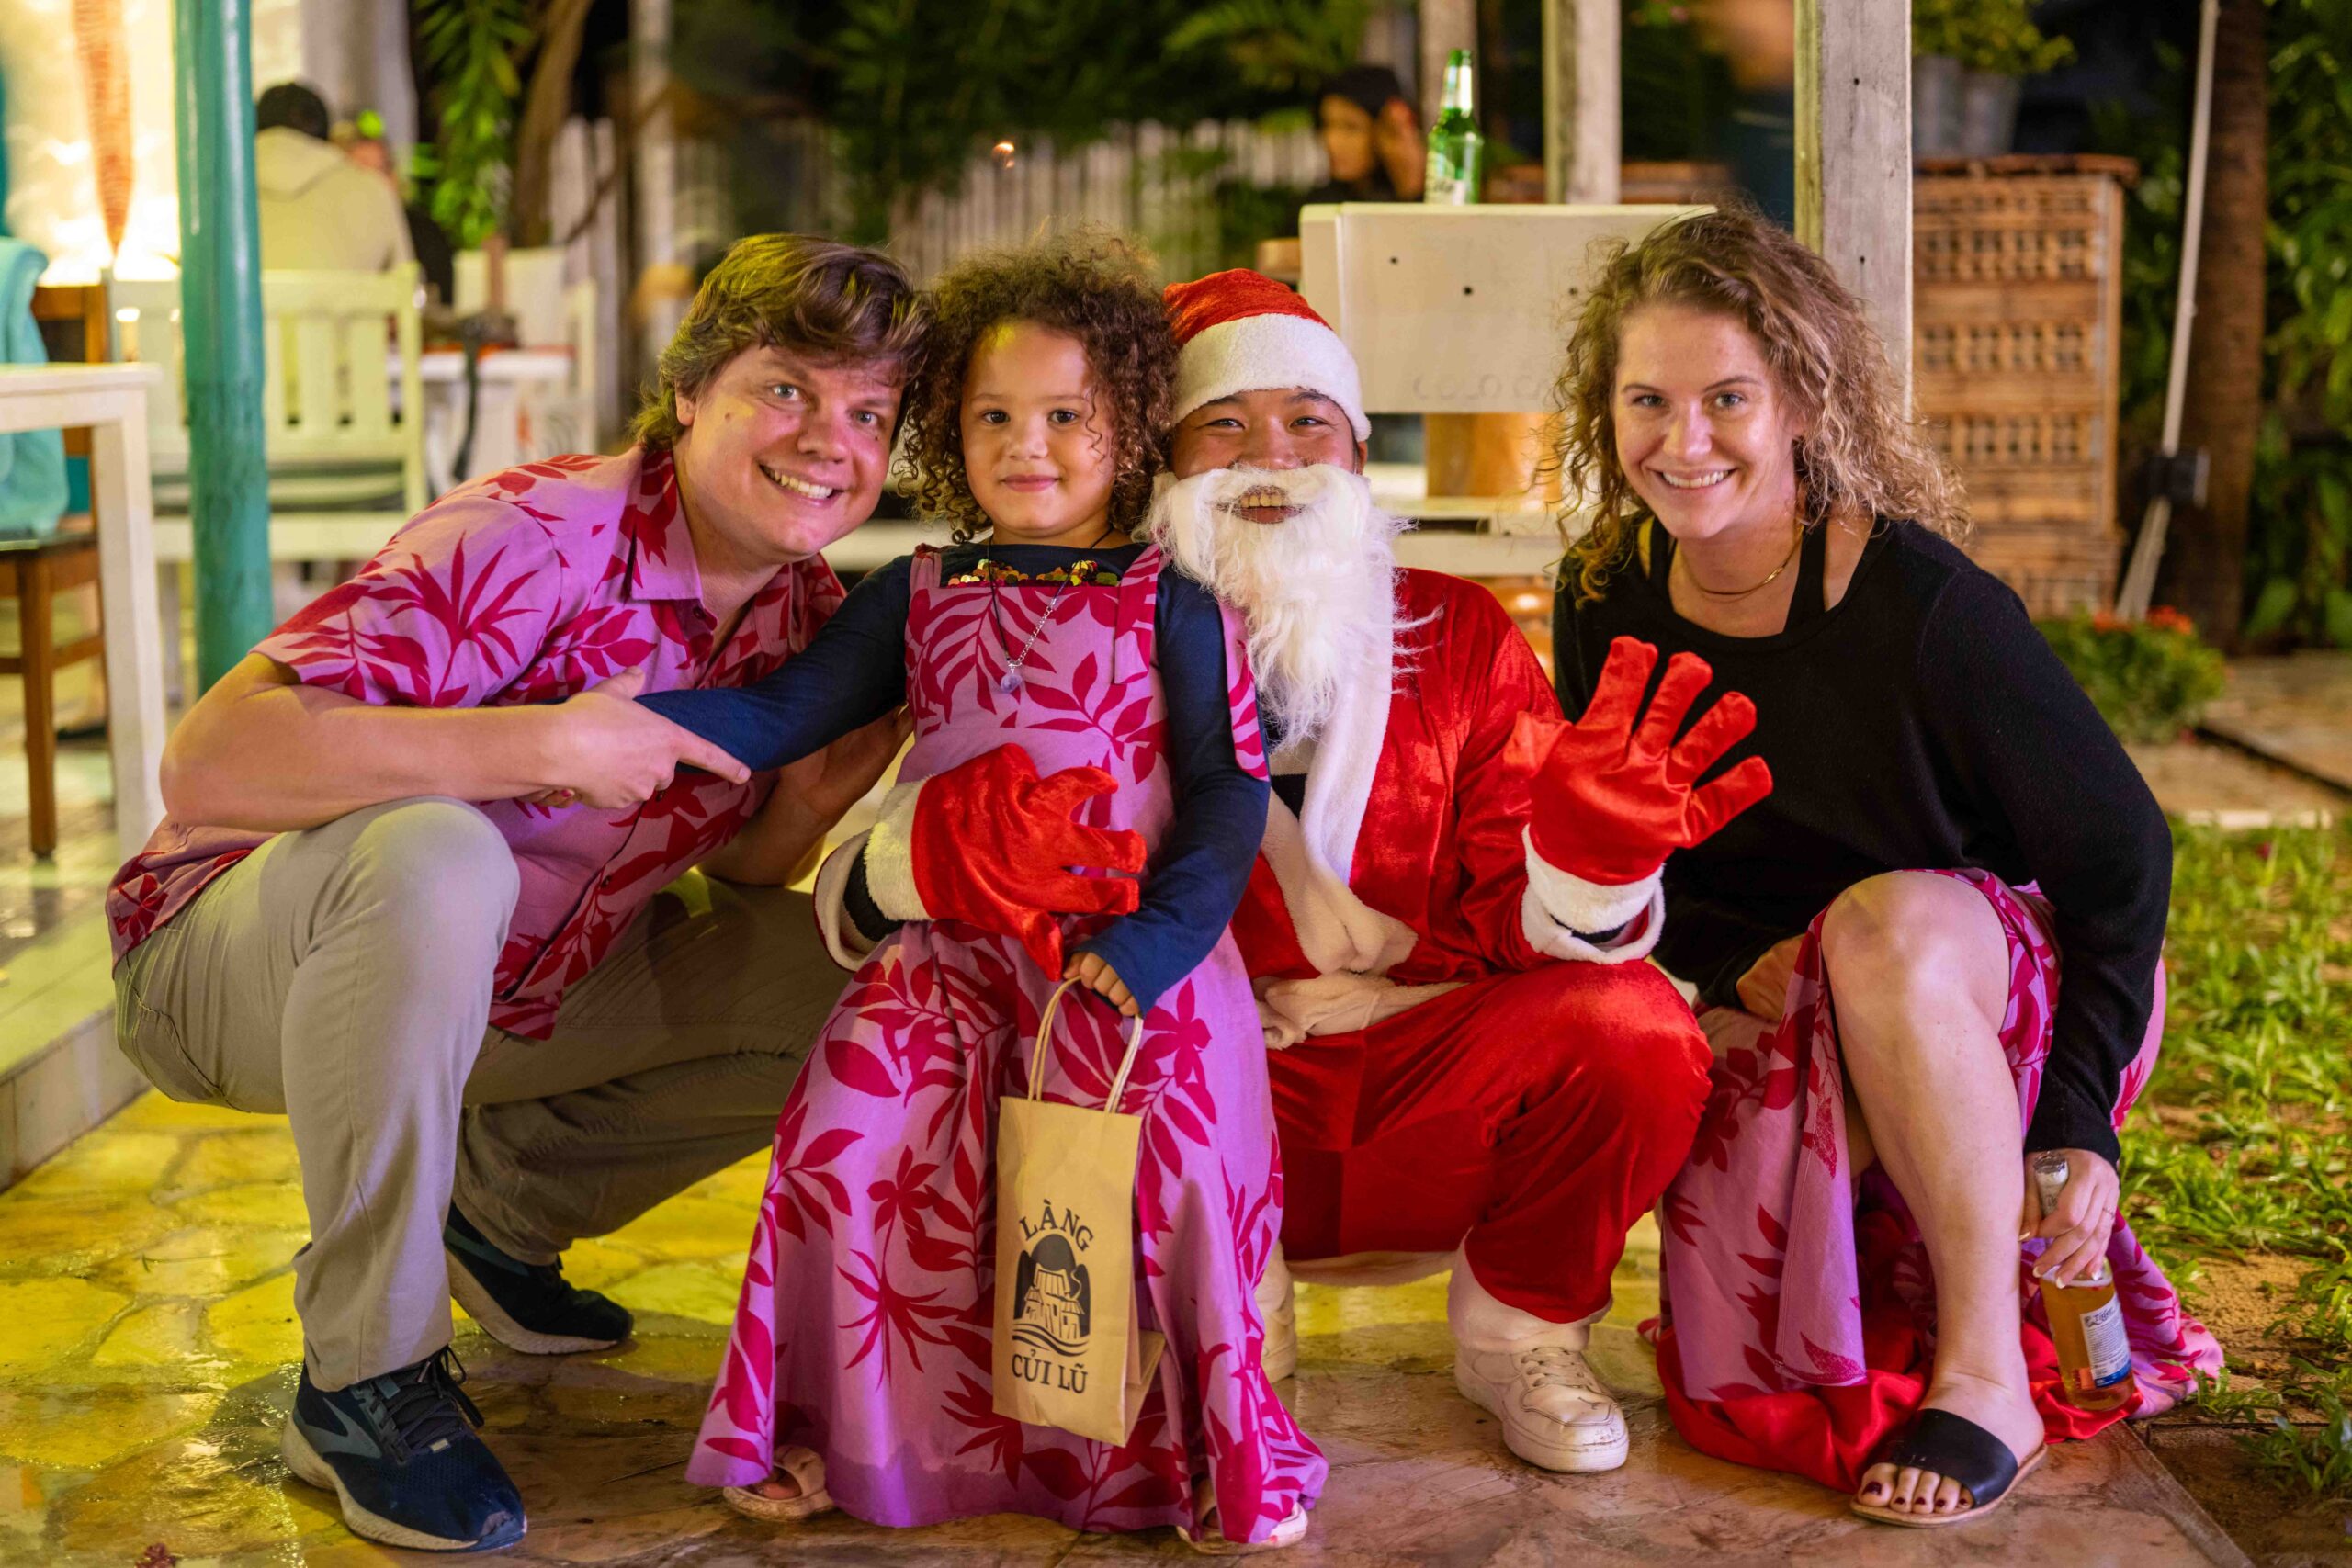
<point x="858" y="1374"/>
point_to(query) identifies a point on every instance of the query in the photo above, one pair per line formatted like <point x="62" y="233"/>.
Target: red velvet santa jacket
<point x="1439" y="849"/>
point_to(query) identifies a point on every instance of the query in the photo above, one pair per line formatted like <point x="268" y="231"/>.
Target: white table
<point x="1506" y="536"/>
<point x="512" y="379"/>
<point x="111" y="402"/>
<point x="1456" y="551"/>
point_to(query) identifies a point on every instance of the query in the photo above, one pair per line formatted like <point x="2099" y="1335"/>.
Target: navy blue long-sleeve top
<point x="853" y="672"/>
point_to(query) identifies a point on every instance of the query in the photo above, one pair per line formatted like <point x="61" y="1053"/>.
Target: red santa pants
<point x="1530" y="1116"/>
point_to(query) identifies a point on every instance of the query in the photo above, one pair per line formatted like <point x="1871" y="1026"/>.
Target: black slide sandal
<point x="1961" y="1451"/>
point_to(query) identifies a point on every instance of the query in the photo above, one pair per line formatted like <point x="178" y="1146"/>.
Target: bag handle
<point x="1045" y="1028"/>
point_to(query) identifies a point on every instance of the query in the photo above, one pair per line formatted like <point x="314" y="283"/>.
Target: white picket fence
<point x="1155" y="182"/>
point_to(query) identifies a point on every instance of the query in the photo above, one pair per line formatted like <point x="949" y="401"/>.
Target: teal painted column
<point x="221" y="325"/>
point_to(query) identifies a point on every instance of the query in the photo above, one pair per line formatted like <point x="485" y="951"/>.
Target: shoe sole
<point x="483" y="1308"/>
<point x="776" y="1510"/>
<point x="307" y="1466"/>
<point x="1568" y="1459"/>
<point x="1290" y="1532"/>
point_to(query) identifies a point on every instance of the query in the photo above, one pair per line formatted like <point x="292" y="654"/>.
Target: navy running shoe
<point x="526" y="1306"/>
<point x="400" y="1453"/>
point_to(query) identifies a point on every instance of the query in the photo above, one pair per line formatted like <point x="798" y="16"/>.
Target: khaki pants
<point x="342" y="975"/>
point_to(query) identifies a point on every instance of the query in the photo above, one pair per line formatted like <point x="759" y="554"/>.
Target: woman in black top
<point x="1950" y="821"/>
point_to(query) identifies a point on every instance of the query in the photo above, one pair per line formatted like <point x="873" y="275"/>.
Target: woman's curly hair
<point x="1087" y="282"/>
<point x="1860" y="456"/>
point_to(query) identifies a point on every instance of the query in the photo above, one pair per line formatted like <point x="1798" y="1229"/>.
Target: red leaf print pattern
<point x="900" y="1319"/>
<point x="1060" y="1470"/>
<point x="883" y="1308"/>
<point x="736" y="1448"/>
<point x="1838" y="1292"/>
<point x="998" y="1436"/>
<point x="803" y="1182"/>
<point x="526" y="587"/>
<point x="1249" y="738"/>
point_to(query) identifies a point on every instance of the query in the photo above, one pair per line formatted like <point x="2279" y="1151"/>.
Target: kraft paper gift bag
<point x="1067" y="1352"/>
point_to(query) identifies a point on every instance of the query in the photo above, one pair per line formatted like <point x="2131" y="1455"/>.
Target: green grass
<point x="2312" y="1459"/>
<point x="2242" y="1142"/>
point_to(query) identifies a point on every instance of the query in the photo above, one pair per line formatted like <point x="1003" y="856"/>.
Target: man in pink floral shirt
<point x="407" y="891"/>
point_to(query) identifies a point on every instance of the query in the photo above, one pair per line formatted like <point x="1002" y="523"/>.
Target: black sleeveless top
<point x="1922" y="723"/>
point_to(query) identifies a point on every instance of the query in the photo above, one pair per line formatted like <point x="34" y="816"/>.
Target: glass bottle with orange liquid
<point x="2086" y="1321"/>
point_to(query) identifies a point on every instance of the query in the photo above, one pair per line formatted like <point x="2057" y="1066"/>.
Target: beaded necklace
<point x="1010" y="682"/>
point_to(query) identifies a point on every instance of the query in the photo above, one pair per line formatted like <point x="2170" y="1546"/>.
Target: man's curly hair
<point x="1097" y="287"/>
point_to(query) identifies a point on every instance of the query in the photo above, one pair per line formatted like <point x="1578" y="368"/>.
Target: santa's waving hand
<point x="1614" y="792"/>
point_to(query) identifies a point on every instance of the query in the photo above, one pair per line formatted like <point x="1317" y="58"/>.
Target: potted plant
<point x="1966" y="59"/>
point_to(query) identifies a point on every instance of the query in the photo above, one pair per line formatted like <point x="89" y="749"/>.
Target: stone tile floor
<point x="2292" y="709"/>
<point x="147" y="1338"/>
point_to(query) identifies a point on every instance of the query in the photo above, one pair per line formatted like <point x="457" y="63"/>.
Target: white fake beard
<point x="1318" y="590"/>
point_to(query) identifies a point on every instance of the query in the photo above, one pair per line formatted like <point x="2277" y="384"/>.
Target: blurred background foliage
<point x="909" y="120"/>
<point x="2299" y="536"/>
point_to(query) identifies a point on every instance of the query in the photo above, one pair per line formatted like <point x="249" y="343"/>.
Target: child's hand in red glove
<point x="1612" y="794"/>
<point x="989" y="843"/>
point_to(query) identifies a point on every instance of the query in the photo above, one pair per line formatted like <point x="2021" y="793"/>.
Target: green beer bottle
<point x="1457" y="152"/>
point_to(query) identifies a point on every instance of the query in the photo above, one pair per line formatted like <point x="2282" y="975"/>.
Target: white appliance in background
<point x="1458" y="310"/>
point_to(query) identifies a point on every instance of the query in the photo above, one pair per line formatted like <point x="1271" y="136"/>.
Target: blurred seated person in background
<point x="362" y="141"/>
<point x="1373" y="137"/>
<point x="320" y="210"/>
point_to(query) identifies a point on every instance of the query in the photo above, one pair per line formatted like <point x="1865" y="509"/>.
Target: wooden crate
<point x="2017" y="307"/>
<point x="2057" y="569"/>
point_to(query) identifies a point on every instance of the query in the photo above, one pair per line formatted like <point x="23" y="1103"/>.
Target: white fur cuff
<point x="889" y="856"/>
<point x="1582" y="907"/>
<point x="845" y="944"/>
<point x="1254" y="353"/>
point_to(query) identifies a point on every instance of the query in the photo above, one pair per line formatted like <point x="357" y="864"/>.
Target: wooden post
<point x="1446" y="26"/>
<point x="1582" y="144"/>
<point x="662" y="289"/>
<point x="1854" y="155"/>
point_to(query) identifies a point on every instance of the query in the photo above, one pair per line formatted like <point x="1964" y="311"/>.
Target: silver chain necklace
<point x="1009" y="682"/>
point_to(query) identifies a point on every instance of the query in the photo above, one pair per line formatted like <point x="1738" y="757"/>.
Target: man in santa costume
<point x="1471" y="1069"/>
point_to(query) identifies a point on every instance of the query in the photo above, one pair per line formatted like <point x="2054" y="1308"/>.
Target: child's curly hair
<point x="1089" y="282"/>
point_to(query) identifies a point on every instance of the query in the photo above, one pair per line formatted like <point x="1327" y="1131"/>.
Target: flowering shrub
<point x="2150" y="680"/>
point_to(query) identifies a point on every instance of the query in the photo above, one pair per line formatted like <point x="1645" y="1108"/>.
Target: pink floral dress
<point x="864" y="1330"/>
<point x="1798" y="1322"/>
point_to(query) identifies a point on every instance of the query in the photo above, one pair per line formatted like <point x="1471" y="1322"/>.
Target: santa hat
<point x="1242" y="331"/>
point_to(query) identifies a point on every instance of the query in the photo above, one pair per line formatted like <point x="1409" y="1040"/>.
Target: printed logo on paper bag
<point x="1053" y="1309"/>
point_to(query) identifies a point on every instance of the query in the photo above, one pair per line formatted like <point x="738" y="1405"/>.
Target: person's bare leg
<point x="1919" y="969"/>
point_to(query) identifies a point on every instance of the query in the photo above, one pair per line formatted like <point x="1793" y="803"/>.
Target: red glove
<point x="991" y="843"/>
<point x="1612" y="800"/>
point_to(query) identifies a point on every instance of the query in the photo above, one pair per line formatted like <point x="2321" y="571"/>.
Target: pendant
<point x="1010" y="682"/>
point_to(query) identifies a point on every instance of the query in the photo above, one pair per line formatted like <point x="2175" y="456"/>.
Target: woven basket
<point x="2017" y="306"/>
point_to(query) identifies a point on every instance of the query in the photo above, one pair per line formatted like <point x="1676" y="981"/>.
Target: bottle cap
<point x="2049" y="1175"/>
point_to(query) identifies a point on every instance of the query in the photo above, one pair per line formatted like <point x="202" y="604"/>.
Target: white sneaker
<point x="1279" y="1311"/>
<point x="1556" y="1414"/>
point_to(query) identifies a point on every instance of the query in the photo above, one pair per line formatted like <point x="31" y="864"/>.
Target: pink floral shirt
<point x="528" y="587"/>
